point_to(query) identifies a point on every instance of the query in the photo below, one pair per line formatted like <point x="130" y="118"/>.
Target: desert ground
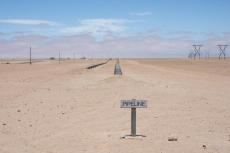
<point x="48" y="107"/>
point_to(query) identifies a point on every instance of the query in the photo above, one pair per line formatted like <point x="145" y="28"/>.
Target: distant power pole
<point x="222" y="49"/>
<point x="207" y="55"/>
<point x="74" y="56"/>
<point x="59" y="57"/>
<point x="191" y="55"/>
<point x="30" y="56"/>
<point x="197" y="50"/>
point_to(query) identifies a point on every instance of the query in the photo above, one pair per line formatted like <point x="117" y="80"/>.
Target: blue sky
<point x="162" y="28"/>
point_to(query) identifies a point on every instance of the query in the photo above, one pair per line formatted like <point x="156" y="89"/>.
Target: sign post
<point x="133" y="122"/>
<point x="133" y="104"/>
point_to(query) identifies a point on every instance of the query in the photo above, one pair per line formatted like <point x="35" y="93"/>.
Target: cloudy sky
<point x="118" y="28"/>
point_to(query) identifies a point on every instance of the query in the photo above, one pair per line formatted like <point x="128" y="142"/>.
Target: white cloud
<point x="146" y="13"/>
<point x="134" y="46"/>
<point x="97" y="27"/>
<point x="85" y="45"/>
<point x="28" y="22"/>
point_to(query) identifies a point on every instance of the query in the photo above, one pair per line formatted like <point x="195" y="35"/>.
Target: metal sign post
<point x="133" y="104"/>
<point x="133" y="122"/>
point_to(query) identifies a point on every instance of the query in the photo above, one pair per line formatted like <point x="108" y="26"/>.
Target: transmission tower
<point x="197" y="51"/>
<point x="222" y="49"/>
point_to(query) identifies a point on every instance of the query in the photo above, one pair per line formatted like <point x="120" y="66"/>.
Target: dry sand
<point x="63" y="108"/>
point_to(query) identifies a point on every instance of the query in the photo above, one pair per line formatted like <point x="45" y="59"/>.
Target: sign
<point x="133" y="103"/>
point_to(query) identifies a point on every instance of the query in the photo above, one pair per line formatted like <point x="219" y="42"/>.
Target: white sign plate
<point x="133" y="103"/>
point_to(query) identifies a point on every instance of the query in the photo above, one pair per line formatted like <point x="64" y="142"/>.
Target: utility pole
<point x="207" y="55"/>
<point x="30" y="56"/>
<point x="74" y="56"/>
<point x="59" y="57"/>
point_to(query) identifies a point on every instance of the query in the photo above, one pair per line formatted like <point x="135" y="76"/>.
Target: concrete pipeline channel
<point x="117" y="69"/>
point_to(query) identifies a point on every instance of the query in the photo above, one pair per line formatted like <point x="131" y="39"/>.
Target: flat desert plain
<point x="48" y="107"/>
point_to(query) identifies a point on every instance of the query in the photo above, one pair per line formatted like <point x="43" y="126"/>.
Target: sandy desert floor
<point x="63" y="108"/>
